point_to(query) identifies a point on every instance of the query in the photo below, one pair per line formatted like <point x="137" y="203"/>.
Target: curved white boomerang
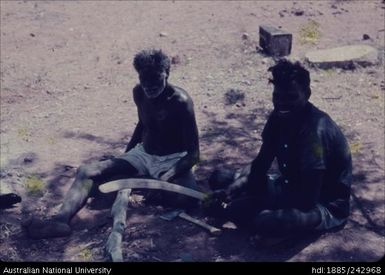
<point x="133" y="183"/>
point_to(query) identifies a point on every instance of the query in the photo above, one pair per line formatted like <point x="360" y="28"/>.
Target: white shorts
<point x="150" y="165"/>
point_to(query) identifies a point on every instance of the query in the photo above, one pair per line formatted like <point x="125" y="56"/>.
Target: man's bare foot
<point x="38" y="229"/>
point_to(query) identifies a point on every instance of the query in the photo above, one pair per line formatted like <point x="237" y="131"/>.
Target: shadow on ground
<point x="230" y="142"/>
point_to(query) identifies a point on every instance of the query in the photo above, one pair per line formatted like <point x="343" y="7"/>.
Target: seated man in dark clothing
<point x="164" y="146"/>
<point x="313" y="189"/>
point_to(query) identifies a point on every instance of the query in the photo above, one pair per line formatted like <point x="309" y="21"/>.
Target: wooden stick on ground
<point x="119" y="212"/>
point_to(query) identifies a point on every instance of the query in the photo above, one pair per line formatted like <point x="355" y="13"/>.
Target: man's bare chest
<point x="157" y="116"/>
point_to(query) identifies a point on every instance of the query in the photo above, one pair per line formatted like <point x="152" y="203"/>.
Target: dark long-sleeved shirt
<point x="313" y="157"/>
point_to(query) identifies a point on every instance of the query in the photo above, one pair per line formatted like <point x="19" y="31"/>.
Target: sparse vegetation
<point x="310" y="33"/>
<point x="85" y="255"/>
<point x="24" y="134"/>
<point x="355" y="147"/>
<point x="34" y="185"/>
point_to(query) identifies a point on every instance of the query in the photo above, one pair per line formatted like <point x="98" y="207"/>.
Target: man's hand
<point x="226" y="195"/>
<point x="215" y="199"/>
<point x="169" y="175"/>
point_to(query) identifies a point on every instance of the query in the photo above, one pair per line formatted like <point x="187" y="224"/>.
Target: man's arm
<point x="191" y="138"/>
<point x="312" y="167"/>
<point x="255" y="179"/>
<point x="136" y="137"/>
<point x="258" y="172"/>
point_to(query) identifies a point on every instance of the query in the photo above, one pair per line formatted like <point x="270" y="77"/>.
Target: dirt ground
<point x="66" y="81"/>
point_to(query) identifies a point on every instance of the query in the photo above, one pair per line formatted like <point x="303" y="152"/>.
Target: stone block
<point x="346" y="57"/>
<point x="274" y="42"/>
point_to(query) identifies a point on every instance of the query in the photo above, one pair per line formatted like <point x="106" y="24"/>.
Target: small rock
<point x="28" y="159"/>
<point x="31" y="34"/>
<point x="282" y="13"/>
<point x="298" y="12"/>
<point x="229" y="225"/>
<point x="245" y="36"/>
<point x="175" y="59"/>
<point x="365" y="37"/>
<point x="68" y="167"/>
<point x="265" y="61"/>
<point x="163" y="34"/>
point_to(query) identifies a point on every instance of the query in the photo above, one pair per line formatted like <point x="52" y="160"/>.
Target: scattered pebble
<point x="175" y="60"/>
<point x="298" y="12"/>
<point x="229" y="225"/>
<point x="265" y="61"/>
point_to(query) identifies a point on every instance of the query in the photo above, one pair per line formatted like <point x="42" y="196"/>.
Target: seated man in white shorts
<point x="164" y="145"/>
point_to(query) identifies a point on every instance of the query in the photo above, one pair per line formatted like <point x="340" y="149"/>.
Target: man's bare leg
<point x="87" y="178"/>
<point x="282" y="222"/>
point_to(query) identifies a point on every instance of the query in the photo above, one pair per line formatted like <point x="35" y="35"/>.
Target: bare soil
<point x="66" y="81"/>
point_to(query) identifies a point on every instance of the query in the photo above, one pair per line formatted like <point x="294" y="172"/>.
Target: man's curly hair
<point x="285" y="73"/>
<point x="153" y="60"/>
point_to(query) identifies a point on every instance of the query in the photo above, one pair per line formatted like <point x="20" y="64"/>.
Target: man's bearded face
<point x="153" y="83"/>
